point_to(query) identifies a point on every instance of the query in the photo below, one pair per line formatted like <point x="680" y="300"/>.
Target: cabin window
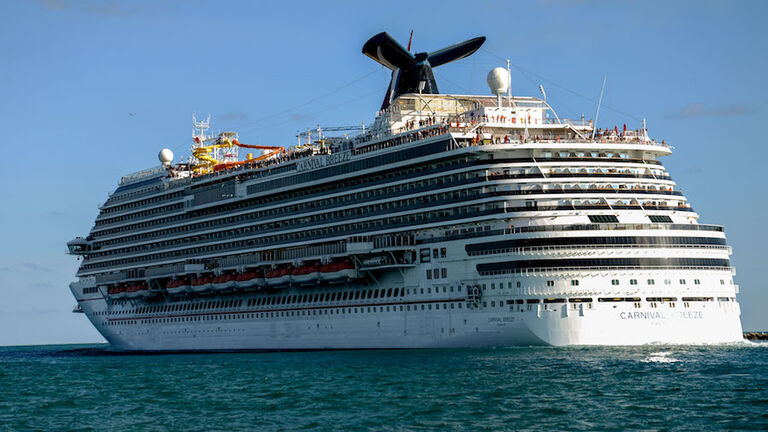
<point x="603" y="219"/>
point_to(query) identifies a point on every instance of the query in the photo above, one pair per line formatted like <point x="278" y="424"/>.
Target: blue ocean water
<point x="88" y="387"/>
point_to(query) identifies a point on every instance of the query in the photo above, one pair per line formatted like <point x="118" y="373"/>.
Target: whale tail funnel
<point x="412" y="73"/>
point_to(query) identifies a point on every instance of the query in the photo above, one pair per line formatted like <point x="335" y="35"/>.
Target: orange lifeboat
<point x="178" y="286"/>
<point x="306" y="275"/>
<point x="339" y="272"/>
<point x="139" y="289"/>
<point x="202" y="284"/>
<point x="250" y="279"/>
<point x="279" y="277"/>
<point x="223" y="282"/>
<point x="117" y="291"/>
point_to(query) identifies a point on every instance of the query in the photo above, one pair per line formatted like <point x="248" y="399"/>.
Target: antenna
<point x="597" y="113"/>
<point x="645" y="131"/>
<point x="509" y="89"/>
<point x="203" y="125"/>
<point x="409" y="41"/>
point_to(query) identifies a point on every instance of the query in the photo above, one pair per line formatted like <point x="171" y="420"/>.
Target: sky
<point x="92" y="90"/>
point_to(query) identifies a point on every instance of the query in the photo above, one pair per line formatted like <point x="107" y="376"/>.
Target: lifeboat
<point x="306" y="275"/>
<point x="339" y="272"/>
<point x="178" y="286"/>
<point x="223" y="282"/>
<point x="137" y="290"/>
<point x="144" y="290"/>
<point x="279" y="277"/>
<point x="249" y="279"/>
<point x="117" y="292"/>
<point x="202" y="284"/>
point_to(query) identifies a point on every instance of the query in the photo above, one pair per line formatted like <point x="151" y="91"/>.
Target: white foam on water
<point x="660" y="357"/>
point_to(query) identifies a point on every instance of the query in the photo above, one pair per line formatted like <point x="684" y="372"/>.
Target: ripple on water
<point x="582" y="388"/>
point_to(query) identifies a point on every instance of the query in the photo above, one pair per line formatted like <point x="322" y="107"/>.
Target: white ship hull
<point x="439" y="329"/>
<point x="448" y="319"/>
<point x="450" y="221"/>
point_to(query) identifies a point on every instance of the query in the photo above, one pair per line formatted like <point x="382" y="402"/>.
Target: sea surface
<point x="89" y="387"/>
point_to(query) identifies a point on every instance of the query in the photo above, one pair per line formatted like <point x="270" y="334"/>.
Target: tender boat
<point x="279" y="277"/>
<point x="224" y="282"/>
<point x="202" y="284"/>
<point x="339" y="272"/>
<point x="117" y="292"/>
<point x="250" y="279"/>
<point x="178" y="286"/>
<point x="140" y="289"/>
<point x="306" y="275"/>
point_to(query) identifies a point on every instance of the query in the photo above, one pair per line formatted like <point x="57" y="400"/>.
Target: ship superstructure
<point x="450" y="221"/>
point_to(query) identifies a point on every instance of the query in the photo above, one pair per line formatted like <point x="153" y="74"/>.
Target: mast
<point x="597" y="113"/>
<point x="509" y="88"/>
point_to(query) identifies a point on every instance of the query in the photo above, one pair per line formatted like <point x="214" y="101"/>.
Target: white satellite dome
<point x="498" y="80"/>
<point x="165" y="156"/>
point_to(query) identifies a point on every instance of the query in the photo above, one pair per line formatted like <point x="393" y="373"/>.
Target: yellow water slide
<point x="208" y="163"/>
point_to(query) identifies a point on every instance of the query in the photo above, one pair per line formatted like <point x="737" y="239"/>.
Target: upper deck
<point x="477" y="120"/>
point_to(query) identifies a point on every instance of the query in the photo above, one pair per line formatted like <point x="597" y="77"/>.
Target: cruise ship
<point x="449" y="221"/>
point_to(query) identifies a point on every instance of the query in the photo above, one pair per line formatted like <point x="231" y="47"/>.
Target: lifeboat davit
<point x="306" y="275"/>
<point x="279" y="277"/>
<point x="137" y="290"/>
<point x="223" y="282"/>
<point x="178" y="286"/>
<point x="339" y="272"/>
<point x="249" y="279"/>
<point x="117" y="292"/>
<point x="202" y="284"/>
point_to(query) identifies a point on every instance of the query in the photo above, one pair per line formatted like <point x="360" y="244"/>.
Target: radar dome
<point x="498" y="80"/>
<point x="165" y="156"/>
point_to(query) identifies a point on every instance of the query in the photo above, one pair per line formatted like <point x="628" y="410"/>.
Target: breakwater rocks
<point x="756" y="336"/>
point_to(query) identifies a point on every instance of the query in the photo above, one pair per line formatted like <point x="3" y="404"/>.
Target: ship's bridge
<point x="80" y="246"/>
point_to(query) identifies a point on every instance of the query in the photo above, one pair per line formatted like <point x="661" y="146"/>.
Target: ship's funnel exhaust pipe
<point x="412" y="73"/>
